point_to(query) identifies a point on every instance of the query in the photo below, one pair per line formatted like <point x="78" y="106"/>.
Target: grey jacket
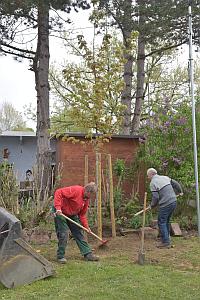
<point x="164" y="190"/>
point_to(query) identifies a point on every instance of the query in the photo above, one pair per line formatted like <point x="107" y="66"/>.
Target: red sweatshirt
<point x="70" y="200"/>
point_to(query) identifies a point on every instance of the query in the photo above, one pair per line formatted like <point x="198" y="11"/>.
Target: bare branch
<point x="16" y="49"/>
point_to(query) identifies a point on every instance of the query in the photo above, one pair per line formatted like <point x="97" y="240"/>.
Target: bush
<point x="169" y="149"/>
<point x="8" y="188"/>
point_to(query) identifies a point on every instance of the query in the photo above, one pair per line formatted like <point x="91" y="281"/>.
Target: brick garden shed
<point x="72" y="157"/>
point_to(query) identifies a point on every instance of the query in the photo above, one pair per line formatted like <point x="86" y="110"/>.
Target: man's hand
<point x="180" y="194"/>
<point x="58" y="212"/>
<point x="89" y="230"/>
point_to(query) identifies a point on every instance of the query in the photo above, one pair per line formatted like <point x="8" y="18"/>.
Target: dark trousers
<point x="164" y="215"/>
<point x="62" y="227"/>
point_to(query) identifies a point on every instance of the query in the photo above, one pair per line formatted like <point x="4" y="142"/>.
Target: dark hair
<point x="29" y="171"/>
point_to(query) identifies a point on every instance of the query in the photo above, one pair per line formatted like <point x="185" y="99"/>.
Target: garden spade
<point x="141" y="255"/>
<point x="103" y="242"/>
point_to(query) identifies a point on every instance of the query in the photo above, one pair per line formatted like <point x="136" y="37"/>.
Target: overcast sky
<point x="16" y="82"/>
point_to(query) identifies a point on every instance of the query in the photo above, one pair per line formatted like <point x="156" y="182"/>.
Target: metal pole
<point x="191" y="74"/>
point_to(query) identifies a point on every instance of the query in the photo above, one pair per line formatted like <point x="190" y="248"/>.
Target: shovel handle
<point x="96" y="236"/>
<point x="4" y="231"/>
<point x="141" y="211"/>
<point x="82" y="227"/>
<point x="143" y="222"/>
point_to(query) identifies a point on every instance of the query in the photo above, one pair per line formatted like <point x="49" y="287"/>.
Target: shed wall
<point x="72" y="158"/>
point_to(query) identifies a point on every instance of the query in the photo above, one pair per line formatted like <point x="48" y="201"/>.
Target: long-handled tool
<point x="4" y="231"/>
<point x="149" y="207"/>
<point x="141" y="255"/>
<point x="103" y="242"/>
<point x="141" y="211"/>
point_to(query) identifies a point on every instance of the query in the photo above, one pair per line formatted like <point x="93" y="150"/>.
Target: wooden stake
<point x="112" y="210"/>
<point x="105" y="196"/>
<point x="86" y="170"/>
<point x="99" y="209"/>
<point x="86" y="182"/>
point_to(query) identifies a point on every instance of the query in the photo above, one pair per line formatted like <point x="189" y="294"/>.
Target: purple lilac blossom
<point x="181" y="121"/>
<point x="176" y="160"/>
<point x="167" y="124"/>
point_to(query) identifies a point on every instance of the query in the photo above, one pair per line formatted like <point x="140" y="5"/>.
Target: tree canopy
<point x="10" y="118"/>
<point x="89" y="91"/>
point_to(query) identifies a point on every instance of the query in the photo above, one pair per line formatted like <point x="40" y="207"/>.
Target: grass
<point x="117" y="277"/>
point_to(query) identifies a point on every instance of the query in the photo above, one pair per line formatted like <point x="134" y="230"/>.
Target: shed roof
<point x="70" y="134"/>
<point x="18" y="133"/>
<point x="79" y="134"/>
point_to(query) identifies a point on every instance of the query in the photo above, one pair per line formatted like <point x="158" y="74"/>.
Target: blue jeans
<point x="164" y="215"/>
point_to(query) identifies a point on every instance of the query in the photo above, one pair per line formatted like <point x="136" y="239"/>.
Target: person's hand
<point x="89" y="230"/>
<point x="58" y="212"/>
<point x="52" y="212"/>
<point x="180" y="194"/>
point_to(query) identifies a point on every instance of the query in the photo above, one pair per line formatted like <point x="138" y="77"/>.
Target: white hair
<point x="151" y="171"/>
<point x="91" y="187"/>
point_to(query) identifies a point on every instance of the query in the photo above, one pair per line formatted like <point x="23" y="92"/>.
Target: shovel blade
<point x="141" y="258"/>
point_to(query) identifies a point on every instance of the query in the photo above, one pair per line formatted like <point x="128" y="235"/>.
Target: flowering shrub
<point x="169" y="149"/>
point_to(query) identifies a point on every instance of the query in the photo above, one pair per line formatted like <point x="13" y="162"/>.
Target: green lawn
<point x="118" y="277"/>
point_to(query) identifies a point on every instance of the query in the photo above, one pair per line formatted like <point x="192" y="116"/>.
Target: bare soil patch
<point x="185" y="254"/>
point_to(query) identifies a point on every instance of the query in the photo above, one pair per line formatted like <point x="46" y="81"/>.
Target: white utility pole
<point x="191" y="74"/>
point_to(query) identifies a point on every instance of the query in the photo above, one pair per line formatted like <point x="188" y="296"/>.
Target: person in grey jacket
<point x="164" y="192"/>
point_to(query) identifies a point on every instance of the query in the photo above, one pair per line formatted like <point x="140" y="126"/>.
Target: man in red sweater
<point x="73" y="201"/>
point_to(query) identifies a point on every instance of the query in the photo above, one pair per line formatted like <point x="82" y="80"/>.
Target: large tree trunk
<point x="41" y="68"/>
<point x="126" y="97"/>
<point x="140" y="82"/>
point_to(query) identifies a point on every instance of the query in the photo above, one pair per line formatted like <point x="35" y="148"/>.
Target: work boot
<point x="164" y="246"/>
<point x="62" y="260"/>
<point x="91" y="257"/>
